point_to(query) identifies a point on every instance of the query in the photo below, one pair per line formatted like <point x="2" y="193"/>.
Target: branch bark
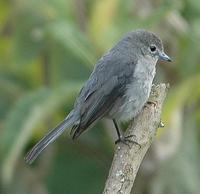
<point x="127" y="160"/>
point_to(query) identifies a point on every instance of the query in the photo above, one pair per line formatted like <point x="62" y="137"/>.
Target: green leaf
<point x="72" y="39"/>
<point x="23" y="119"/>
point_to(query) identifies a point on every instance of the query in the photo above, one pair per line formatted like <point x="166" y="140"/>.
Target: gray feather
<point x="118" y="87"/>
<point x="49" y="138"/>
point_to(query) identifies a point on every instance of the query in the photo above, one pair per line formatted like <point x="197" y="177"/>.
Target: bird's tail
<point x="49" y="138"/>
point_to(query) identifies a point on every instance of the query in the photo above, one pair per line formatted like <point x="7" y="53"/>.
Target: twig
<point x="127" y="160"/>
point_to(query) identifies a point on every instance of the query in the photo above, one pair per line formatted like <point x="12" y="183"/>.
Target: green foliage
<point x="47" y="49"/>
<point x="21" y="122"/>
<point x="71" y="39"/>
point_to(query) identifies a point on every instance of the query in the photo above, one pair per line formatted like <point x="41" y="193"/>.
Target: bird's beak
<point x="164" y="57"/>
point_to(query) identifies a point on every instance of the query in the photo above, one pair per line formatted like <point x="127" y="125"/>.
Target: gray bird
<point x="118" y="88"/>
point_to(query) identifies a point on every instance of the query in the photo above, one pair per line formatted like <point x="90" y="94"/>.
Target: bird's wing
<point x="98" y="104"/>
<point x="106" y="84"/>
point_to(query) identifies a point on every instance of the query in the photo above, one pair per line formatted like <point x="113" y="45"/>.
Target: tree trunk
<point x="127" y="159"/>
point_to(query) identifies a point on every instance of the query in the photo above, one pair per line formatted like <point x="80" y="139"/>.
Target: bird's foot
<point x="151" y="102"/>
<point x="127" y="141"/>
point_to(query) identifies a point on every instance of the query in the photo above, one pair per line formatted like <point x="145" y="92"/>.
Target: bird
<point x="118" y="88"/>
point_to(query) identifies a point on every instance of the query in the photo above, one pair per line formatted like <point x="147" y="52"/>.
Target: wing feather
<point x="106" y="84"/>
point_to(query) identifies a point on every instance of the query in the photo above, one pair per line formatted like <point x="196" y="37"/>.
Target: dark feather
<point x="49" y="138"/>
<point x="106" y="84"/>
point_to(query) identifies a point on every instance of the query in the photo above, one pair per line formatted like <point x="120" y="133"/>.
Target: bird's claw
<point x="126" y="140"/>
<point x="151" y="102"/>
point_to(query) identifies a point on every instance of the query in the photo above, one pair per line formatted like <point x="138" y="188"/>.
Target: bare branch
<point x="127" y="160"/>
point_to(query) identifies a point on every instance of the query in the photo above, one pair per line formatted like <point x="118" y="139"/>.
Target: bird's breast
<point x="137" y="92"/>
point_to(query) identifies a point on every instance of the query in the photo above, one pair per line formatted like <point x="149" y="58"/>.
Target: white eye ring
<point x="153" y="48"/>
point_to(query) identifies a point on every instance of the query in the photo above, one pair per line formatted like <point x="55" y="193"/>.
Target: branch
<point x="127" y="160"/>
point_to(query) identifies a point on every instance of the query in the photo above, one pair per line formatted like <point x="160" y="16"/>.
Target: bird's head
<point x="149" y="45"/>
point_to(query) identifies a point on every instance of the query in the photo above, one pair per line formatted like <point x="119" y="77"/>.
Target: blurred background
<point x="48" y="49"/>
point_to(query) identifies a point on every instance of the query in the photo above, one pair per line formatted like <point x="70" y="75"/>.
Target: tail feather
<point x="49" y="138"/>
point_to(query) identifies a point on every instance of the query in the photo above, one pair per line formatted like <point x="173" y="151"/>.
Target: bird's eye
<point x="153" y="48"/>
